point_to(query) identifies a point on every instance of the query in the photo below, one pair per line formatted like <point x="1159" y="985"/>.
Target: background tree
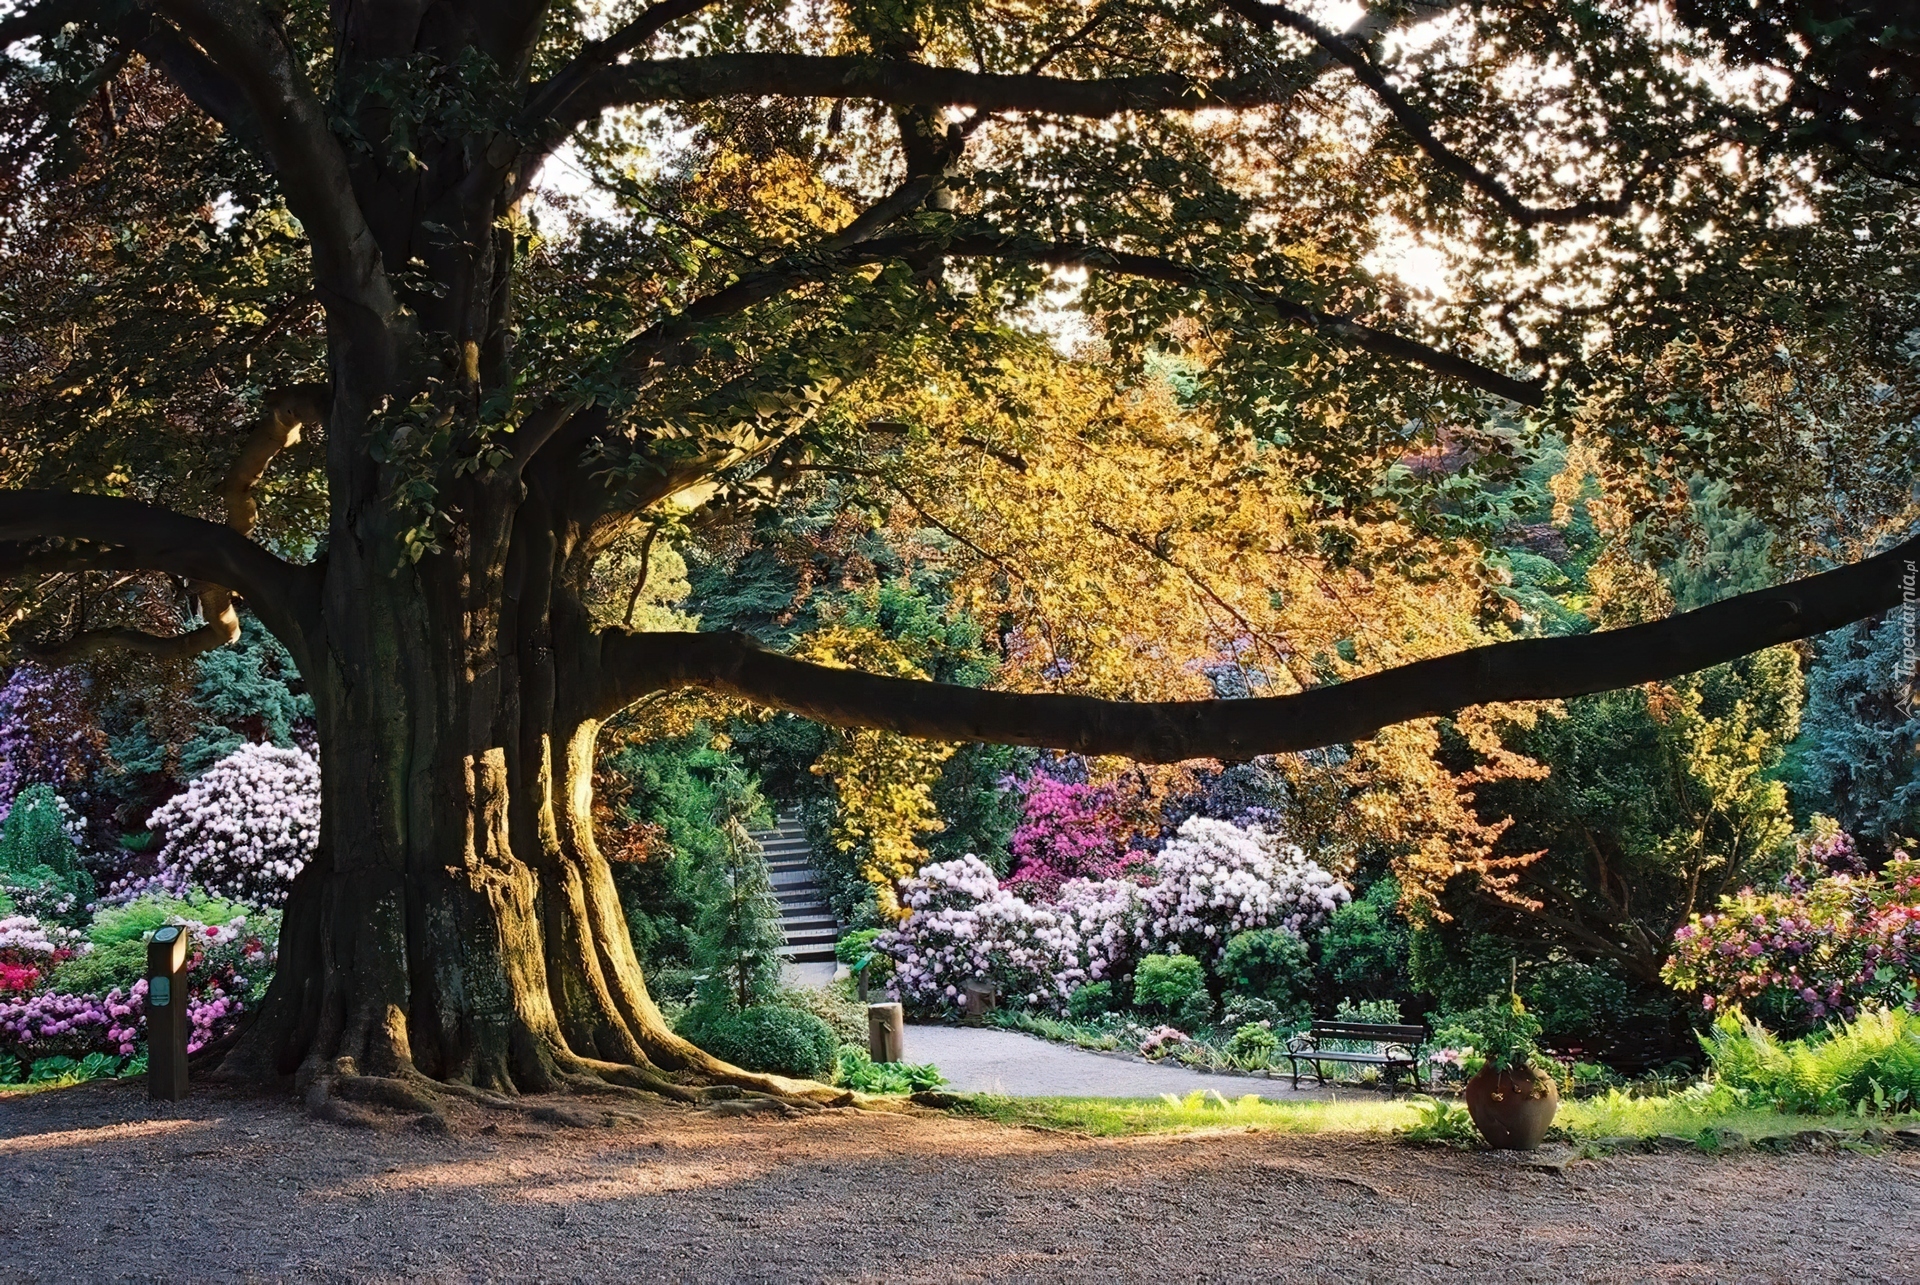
<point x="319" y="223"/>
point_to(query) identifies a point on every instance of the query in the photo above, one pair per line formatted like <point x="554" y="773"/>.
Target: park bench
<point x="1394" y="1049"/>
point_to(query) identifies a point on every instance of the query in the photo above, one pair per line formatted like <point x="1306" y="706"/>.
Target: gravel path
<point x="96" y="1184"/>
<point x="979" y="1060"/>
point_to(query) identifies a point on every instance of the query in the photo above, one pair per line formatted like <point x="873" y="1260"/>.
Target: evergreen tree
<point x="739" y="939"/>
<point x="1855" y="756"/>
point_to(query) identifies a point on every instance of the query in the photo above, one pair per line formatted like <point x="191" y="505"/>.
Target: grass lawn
<point x="1687" y="1115"/>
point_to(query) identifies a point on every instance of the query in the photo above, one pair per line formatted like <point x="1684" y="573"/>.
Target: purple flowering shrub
<point x="1068" y="830"/>
<point x="48" y="734"/>
<point x="1816" y="949"/>
<point x="1212" y="880"/>
<point x="244" y="829"/>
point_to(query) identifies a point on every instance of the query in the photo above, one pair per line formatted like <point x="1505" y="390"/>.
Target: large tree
<point x="487" y="384"/>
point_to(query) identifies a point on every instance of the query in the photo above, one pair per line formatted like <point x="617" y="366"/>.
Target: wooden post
<point x="887" y="1032"/>
<point x="978" y="997"/>
<point x="167" y="1015"/>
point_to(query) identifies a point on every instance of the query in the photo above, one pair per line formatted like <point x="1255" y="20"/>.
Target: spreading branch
<point x="657" y="342"/>
<point x="248" y="50"/>
<point x="1414" y="122"/>
<point x="219" y="561"/>
<point x="905" y="83"/>
<point x="634" y="665"/>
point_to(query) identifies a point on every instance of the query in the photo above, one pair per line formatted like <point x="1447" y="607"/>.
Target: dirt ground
<point x="96" y="1184"/>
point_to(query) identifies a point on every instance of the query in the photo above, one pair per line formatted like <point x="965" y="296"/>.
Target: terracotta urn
<point x="1512" y="1109"/>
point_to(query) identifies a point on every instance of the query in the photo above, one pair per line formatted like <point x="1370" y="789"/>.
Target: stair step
<point x="810" y="955"/>
<point x="811" y="924"/>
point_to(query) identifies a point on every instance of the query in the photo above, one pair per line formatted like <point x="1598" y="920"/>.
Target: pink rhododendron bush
<point x="1817" y="948"/>
<point x="1068" y="830"/>
<point x="244" y="829"/>
<point x="1212" y="880"/>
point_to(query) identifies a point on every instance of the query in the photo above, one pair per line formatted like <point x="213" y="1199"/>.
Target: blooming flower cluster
<point x="1212" y="880"/>
<point x="47" y="732"/>
<point x="1216" y="879"/>
<point x="1067" y="830"/>
<point x="963" y="925"/>
<point x="1805" y="955"/>
<point x="29" y="949"/>
<point x="245" y="828"/>
<point x="228" y="964"/>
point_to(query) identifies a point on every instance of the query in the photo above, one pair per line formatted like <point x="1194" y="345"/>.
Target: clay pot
<point x="1512" y="1109"/>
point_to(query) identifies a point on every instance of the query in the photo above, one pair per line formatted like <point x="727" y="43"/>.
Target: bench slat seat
<point x="1396" y="1048"/>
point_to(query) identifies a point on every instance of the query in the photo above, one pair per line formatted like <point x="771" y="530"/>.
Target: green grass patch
<point x="1690" y="1114"/>
<point x="1115" y="1117"/>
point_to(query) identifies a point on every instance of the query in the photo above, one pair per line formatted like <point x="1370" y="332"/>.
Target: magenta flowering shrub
<point x="1802" y="955"/>
<point x="244" y="829"/>
<point x="1067" y="830"/>
<point x="1215" y="879"/>
<point x="48" y="734"/>
<point x="29" y="949"/>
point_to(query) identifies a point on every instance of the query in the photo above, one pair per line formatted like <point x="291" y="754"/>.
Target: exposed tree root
<point x="590" y="1094"/>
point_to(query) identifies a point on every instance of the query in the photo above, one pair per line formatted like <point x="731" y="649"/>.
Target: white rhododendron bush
<point x="245" y="828"/>
<point x="1216" y="879"/>
<point x="1212" y="880"/>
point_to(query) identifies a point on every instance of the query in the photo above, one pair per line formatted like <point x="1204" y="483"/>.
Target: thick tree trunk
<point x="459" y="920"/>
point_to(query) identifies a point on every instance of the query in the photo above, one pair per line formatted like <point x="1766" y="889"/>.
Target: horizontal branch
<point x="1169" y="731"/>
<point x="151" y="538"/>
<point x="1272" y="304"/>
<point x="903" y="83"/>
<point x="658" y="342"/>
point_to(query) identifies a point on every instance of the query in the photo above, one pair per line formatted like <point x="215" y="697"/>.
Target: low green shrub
<point x="836" y="1005"/>
<point x="850" y="949"/>
<point x="1091" y="1001"/>
<point x="1270" y="963"/>
<point x="771" y="1038"/>
<point x="1869" y="1064"/>
<point x="135" y="920"/>
<point x="1441" y="1121"/>
<point x="119" y="964"/>
<point x="858" y="1071"/>
<point x="1173" y="986"/>
<point x="1253" y="1045"/>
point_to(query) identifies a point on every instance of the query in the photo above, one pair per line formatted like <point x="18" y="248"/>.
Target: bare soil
<point x="98" y="1184"/>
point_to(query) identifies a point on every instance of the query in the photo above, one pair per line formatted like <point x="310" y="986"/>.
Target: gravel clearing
<point x="97" y="1184"/>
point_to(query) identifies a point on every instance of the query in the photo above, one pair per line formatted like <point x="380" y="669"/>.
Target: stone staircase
<point x="805" y="917"/>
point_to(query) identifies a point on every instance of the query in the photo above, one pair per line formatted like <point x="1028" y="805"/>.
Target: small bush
<point x="1441" y="1121"/>
<point x="1269" y="963"/>
<point x="1174" y="987"/>
<point x="135" y="920"/>
<point x="850" y="949"/>
<point x="1364" y="948"/>
<point x="858" y="1071"/>
<point x="770" y="1038"/>
<point x="1091" y="1001"/>
<point x="1253" y="1045"/>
